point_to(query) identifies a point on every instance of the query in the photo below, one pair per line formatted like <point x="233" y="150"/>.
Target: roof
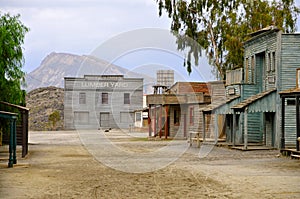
<point x="261" y="32"/>
<point x="290" y="92"/>
<point x="242" y="105"/>
<point x="189" y="87"/>
<point x="15" y="106"/>
<point x="218" y="104"/>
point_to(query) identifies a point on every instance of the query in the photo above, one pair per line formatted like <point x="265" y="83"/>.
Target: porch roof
<point x="219" y="106"/>
<point x="261" y="102"/>
<point x="290" y="92"/>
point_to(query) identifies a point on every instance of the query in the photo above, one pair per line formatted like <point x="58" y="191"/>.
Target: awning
<point x="262" y="102"/>
<point x="222" y="107"/>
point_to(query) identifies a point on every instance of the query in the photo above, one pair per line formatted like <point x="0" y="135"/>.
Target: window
<point x="273" y="61"/>
<point x="191" y="115"/>
<point x="104" y="98"/>
<point x="81" y="117"/>
<point x="291" y="102"/>
<point x="176" y="117"/>
<point x="82" y="98"/>
<point x="247" y="70"/>
<point x="138" y="116"/>
<point x="269" y="65"/>
<point x="252" y="69"/>
<point x="126" y="98"/>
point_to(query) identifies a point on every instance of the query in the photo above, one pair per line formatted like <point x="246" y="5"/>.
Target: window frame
<point x="126" y="98"/>
<point x="82" y="98"/>
<point x="104" y="98"/>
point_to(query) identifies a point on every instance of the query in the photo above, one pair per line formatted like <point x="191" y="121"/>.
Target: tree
<point x="54" y="118"/>
<point x="221" y="26"/>
<point x="12" y="33"/>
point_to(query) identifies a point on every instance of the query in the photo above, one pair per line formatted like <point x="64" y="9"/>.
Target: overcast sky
<point x="81" y="26"/>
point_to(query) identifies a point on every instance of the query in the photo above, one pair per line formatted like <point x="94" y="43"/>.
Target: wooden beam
<point x="166" y="121"/>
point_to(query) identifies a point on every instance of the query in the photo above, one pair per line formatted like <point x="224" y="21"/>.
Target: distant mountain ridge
<point x="56" y="66"/>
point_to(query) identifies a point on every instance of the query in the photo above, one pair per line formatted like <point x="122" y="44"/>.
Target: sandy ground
<point x="116" y="165"/>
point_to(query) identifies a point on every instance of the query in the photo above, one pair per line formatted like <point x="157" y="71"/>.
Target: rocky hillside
<point x="42" y="102"/>
<point x="56" y="66"/>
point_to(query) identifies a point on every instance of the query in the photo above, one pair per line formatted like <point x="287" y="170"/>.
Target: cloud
<point x="78" y="26"/>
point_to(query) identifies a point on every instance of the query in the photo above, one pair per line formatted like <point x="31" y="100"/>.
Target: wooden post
<point x="14" y="134"/>
<point x="203" y="126"/>
<point x="149" y="121"/>
<point x="166" y="122"/>
<point x="297" y="123"/>
<point x="159" y="120"/>
<point x="216" y="128"/>
<point x="282" y="123"/>
<point x="154" y="119"/>
<point x="246" y="128"/>
<point x="233" y="128"/>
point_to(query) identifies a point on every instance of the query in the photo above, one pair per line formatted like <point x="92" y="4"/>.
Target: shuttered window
<point x="247" y="70"/>
<point x="252" y="69"/>
<point x="126" y="98"/>
<point x="104" y="98"/>
<point x="82" y="98"/>
<point x="81" y="117"/>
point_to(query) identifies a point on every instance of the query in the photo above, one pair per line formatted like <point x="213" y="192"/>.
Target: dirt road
<point x="61" y="165"/>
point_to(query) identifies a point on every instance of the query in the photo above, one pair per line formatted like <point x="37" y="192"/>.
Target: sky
<point x="84" y="27"/>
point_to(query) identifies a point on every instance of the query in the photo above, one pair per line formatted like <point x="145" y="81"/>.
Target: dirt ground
<point x="60" y="165"/>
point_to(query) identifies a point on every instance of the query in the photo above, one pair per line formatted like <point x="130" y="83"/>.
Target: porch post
<point x="203" y="126"/>
<point x="297" y="123"/>
<point x="282" y="123"/>
<point x="159" y="120"/>
<point x="246" y="128"/>
<point x="12" y="143"/>
<point x="166" y="122"/>
<point x="233" y="128"/>
<point x="216" y="127"/>
<point x="154" y="119"/>
<point x="15" y="141"/>
<point x="149" y="121"/>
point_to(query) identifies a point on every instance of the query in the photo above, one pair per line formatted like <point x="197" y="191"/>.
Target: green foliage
<point x="54" y="118"/>
<point x="221" y="26"/>
<point x="12" y="33"/>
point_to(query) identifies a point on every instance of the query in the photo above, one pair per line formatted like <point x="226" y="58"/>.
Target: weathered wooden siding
<point x="93" y="87"/>
<point x="290" y="60"/>
<point x="255" y="129"/>
<point x="248" y="90"/>
<point x="290" y="125"/>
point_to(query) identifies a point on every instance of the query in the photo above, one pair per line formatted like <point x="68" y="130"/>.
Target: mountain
<point x="56" y="66"/>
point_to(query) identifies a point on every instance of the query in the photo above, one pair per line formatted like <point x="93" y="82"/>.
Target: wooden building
<point x="101" y="101"/>
<point x="253" y="105"/>
<point x="178" y="110"/>
<point x="21" y="125"/>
